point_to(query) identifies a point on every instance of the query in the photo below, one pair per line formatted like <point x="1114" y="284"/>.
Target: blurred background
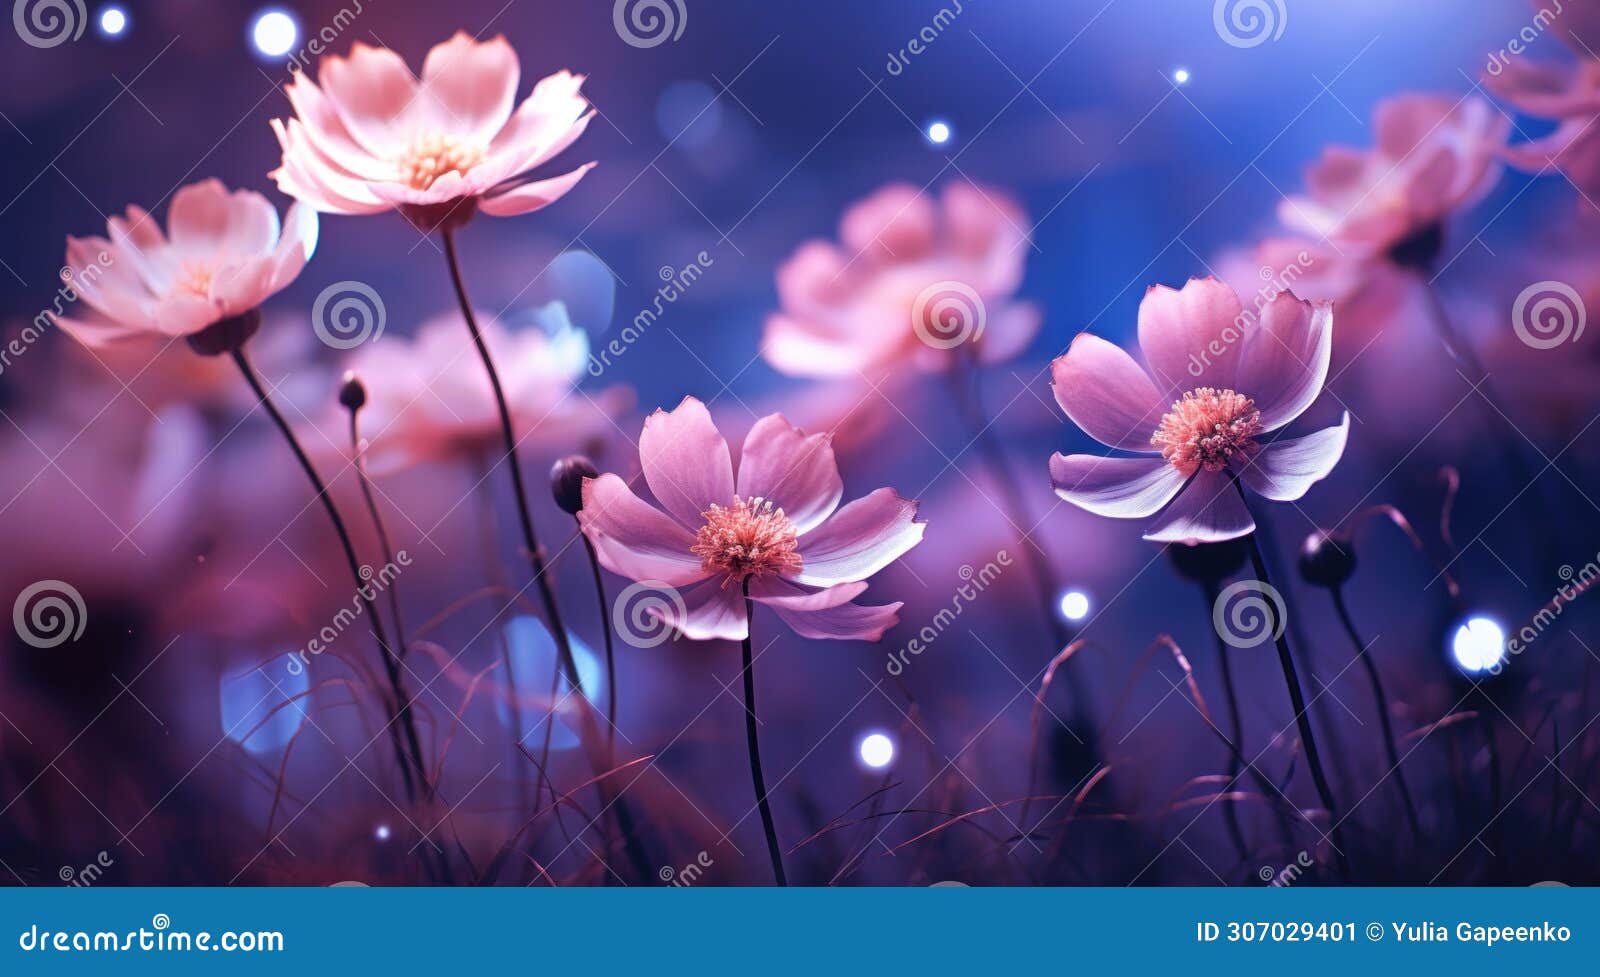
<point x="1144" y="147"/>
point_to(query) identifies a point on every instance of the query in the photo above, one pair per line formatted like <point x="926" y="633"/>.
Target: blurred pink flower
<point x="1571" y="97"/>
<point x="222" y="255"/>
<point x="374" y="138"/>
<point x="911" y="277"/>
<point x="428" y="398"/>
<point x="1235" y="376"/>
<point x="775" y="529"/>
<point x="1368" y="292"/>
<point x="1434" y="155"/>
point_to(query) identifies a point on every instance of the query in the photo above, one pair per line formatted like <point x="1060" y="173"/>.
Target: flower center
<point x="433" y="155"/>
<point x="194" y="278"/>
<point x="751" y="538"/>
<point x="1210" y="429"/>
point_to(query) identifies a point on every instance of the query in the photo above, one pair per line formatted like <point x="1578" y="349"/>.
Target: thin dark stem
<point x="392" y="592"/>
<point x="1297" y="701"/>
<point x="752" y="740"/>
<point x="401" y="706"/>
<point x="1382" y="699"/>
<point x="590" y="733"/>
<point x="1235" y="725"/>
<point x="611" y="652"/>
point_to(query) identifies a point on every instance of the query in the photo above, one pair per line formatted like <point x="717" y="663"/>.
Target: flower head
<point x="221" y="256"/>
<point x="1571" y="97"/>
<point x="373" y="137"/>
<point x="776" y="529"/>
<point x="913" y="276"/>
<point x="1219" y="380"/>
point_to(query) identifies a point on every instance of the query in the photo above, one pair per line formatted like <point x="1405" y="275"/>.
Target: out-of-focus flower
<point x="1230" y="378"/>
<point x="429" y="399"/>
<point x="1368" y="292"/>
<point x="777" y="529"/>
<point x="1434" y="155"/>
<point x="373" y="137"/>
<point x="1571" y="97"/>
<point x="912" y="277"/>
<point x="222" y="255"/>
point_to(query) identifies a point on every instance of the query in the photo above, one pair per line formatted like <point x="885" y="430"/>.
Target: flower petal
<point x="686" y="462"/>
<point x="894" y="224"/>
<point x="859" y="540"/>
<point x="298" y="243"/>
<point x="529" y="197"/>
<point x="1285" y="358"/>
<point x="846" y="622"/>
<point x="780" y="593"/>
<point x="633" y="538"/>
<point x="713" y="610"/>
<point x="1185" y="335"/>
<point x="1107" y="394"/>
<point x="206" y="221"/>
<point x="1121" y="488"/>
<point x="471" y="86"/>
<point x="1284" y="470"/>
<point x="1209" y="510"/>
<point x="374" y="93"/>
<point x="796" y="471"/>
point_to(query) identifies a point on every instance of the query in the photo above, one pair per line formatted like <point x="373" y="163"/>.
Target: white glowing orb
<point x="274" y="33"/>
<point x="877" y="751"/>
<point x="113" y="21"/>
<point x="1074" y="605"/>
<point x="1181" y="76"/>
<point x="1479" y="645"/>
<point x="939" y="133"/>
<point x="381" y="832"/>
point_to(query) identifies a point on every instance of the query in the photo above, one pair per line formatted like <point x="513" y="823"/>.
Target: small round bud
<point x="1327" y="559"/>
<point x="352" y="392"/>
<point x="1208" y="562"/>
<point x="566" y="482"/>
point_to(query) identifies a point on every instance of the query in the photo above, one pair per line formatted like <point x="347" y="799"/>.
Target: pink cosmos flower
<point x="774" y="529"/>
<point x="1570" y="96"/>
<point x="428" y="398"/>
<point x="1434" y="155"/>
<point x="912" y="277"/>
<point x="223" y="254"/>
<point x="1230" y="379"/>
<point x="373" y="137"/>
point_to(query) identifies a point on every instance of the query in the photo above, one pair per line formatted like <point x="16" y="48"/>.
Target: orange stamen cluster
<point x="1208" y="428"/>
<point x="432" y="156"/>
<point x="751" y="538"/>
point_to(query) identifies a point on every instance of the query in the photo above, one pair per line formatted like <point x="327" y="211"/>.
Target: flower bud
<point x="352" y="392"/>
<point x="566" y="482"/>
<point x="1327" y="559"/>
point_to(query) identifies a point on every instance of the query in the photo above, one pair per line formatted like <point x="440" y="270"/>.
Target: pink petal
<point x="295" y="247"/>
<point x="325" y="130"/>
<point x="1402" y="122"/>
<point x="1545" y="90"/>
<point x="1009" y="330"/>
<point x="95" y="331"/>
<point x="814" y="276"/>
<point x="633" y="538"/>
<point x="374" y="93"/>
<point x="306" y="174"/>
<point x="241" y="286"/>
<point x="1209" y="510"/>
<point x="1122" y="488"/>
<point x="859" y="540"/>
<point x="686" y="462"/>
<point x="530" y="197"/>
<point x="140" y="242"/>
<point x="799" y="348"/>
<point x="796" y="472"/>
<point x="713" y="610"/>
<point x="206" y="221"/>
<point x="472" y="86"/>
<point x="497" y="167"/>
<point x="1285" y="358"/>
<point x="894" y="224"/>
<point x="1186" y="334"/>
<point x="542" y="125"/>
<point x="1107" y="394"/>
<point x="1285" y="469"/>
<point x="779" y="593"/>
<point x="846" y="622"/>
<point x="112" y="287"/>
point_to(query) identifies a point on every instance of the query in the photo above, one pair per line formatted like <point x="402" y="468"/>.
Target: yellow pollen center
<point x="751" y="538"/>
<point x="433" y="155"/>
<point x="1208" y="428"/>
<point x="195" y="279"/>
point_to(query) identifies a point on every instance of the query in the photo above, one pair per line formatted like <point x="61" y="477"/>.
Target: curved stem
<point x="752" y="740"/>
<point x="401" y="707"/>
<point x="611" y="652"/>
<point x="384" y="543"/>
<point x="1235" y="724"/>
<point x="1382" y="700"/>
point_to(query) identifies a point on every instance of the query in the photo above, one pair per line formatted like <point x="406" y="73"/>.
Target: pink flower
<point x="1370" y="293"/>
<point x="774" y="529"/>
<point x="912" y="277"/>
<point x="1571" y="96"/>
<point x="1231" y="378"/>
<point x="222" y="256"/>
<point x="1434" y="155"/>
<point x="374" y="138"/>
<point x="428" y="398"/>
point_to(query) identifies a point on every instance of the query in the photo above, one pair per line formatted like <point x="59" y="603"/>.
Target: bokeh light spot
<point x="877" y="751"/>
<point x="274" y="33"/>
<point x="1479" y="645"/>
